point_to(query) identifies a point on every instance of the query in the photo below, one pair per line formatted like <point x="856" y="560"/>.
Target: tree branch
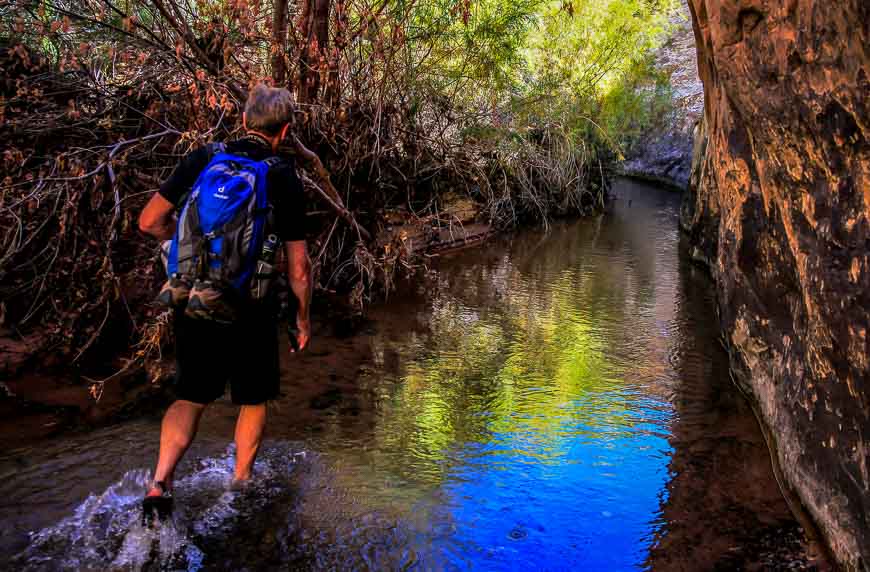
<point x="329" y="194"/>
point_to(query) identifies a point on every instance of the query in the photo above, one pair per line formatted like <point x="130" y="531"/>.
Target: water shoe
<point x="157" y="507"/>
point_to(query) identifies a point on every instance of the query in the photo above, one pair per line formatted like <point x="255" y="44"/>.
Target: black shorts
<point x="208" y="355"/>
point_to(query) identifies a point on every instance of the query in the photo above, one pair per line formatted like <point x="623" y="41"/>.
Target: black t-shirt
<point x="283" y="187"/>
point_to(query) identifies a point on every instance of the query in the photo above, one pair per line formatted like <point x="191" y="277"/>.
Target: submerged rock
<point x="779" y="207"/>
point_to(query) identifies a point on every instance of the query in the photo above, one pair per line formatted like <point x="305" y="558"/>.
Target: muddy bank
<point x="41" y="406"/>
<point x="38" y="406"/>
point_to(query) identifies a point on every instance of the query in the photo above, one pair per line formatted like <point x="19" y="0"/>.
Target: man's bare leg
<point x="176" y="434"/>
<point x="249" y="433"/>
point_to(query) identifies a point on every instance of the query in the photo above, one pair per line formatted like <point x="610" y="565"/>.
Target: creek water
<point x="551" y="401"/>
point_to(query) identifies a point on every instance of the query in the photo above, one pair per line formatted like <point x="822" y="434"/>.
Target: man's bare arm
<point x="299" y="275"/>
<point x="156" y="218"/>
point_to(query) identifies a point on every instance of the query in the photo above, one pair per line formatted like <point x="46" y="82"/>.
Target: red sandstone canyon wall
<point x="779" y="207"/>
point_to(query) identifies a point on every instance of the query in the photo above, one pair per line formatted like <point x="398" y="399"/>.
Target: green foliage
<point x="460" y="44"/>
<point x="637" y="102"/>
<point x="587" y="59"/>
<point x="583" y="65"/>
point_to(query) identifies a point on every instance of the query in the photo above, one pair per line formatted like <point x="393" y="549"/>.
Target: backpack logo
<point x="221" y="193"/>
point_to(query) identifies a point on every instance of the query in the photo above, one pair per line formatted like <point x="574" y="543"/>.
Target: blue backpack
<point x="219" y="237"/>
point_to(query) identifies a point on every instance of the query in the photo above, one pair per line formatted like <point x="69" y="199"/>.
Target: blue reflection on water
<point x="590" y="504"/>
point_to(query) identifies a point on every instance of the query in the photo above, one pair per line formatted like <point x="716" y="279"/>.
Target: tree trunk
<point x="314" y="53"/>
<point x="279" y="42"/>
<point x="339" y="42"/>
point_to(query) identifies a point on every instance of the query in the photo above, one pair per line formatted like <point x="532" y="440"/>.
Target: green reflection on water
<point x="534" y="359"/>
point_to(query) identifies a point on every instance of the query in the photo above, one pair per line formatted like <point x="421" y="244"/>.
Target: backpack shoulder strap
<point x="271" y="163"/>
<point x="213" y="149"/>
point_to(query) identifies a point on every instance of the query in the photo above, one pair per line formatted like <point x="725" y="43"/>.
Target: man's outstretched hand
<point x="299" y="276"/>
<point x="302" y="335"/>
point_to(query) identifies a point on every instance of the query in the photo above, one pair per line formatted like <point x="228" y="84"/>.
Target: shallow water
<point x="552" y="401"/>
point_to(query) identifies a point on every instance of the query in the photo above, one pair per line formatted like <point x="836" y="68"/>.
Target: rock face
<point x="780" y="208"/>
<point x="664" y="154"/>
<point x="663" y="157"/>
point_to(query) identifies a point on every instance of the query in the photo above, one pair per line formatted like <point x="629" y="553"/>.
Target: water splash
<point x="105" y="531"/>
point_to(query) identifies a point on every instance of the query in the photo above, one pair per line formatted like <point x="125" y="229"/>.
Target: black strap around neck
<point x="257" y="139"/>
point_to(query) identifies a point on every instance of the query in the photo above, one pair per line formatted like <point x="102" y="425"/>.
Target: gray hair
<point x="268" y="109"/>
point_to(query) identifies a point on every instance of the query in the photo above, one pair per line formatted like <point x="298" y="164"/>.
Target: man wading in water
<point x="237" y="202"/>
